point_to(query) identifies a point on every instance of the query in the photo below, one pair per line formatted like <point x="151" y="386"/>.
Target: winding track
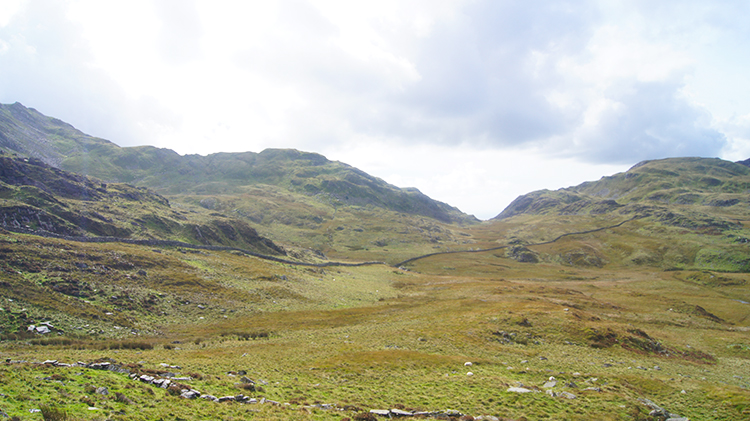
<point x="505" y="246"/>
<point x="168" y="243"/>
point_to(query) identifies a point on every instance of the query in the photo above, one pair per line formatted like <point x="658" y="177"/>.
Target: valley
<point x="618" y="299"/>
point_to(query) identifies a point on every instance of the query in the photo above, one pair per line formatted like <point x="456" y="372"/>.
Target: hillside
<point x="35" y="197"/>
<point x="698" y="183"/>
<point x="620" y="299"/>
<point x="27" y="132"/>
<point x="687" y="212"/>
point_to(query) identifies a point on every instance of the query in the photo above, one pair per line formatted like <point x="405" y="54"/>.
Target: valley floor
<point x="614" y="342"/>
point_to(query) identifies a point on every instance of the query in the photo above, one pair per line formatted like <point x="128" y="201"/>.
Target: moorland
<point x="139" y="284"/>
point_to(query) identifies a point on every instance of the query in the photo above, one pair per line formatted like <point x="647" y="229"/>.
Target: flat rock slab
<point x="519" y="390"/>
<point x="381" y="412"/>
<point x="401" y="413"/>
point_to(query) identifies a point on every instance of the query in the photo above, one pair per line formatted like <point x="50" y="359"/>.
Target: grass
<point x="648" y="309"/>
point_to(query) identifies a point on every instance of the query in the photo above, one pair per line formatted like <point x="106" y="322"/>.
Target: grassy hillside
<point x="30" y="133"/>
<point x="621" y="299"/>
<point x="40" y="198"/>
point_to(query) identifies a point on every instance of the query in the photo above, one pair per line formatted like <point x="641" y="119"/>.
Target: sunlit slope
<point x="682" y="213"/>
<point x="28" y="132"/>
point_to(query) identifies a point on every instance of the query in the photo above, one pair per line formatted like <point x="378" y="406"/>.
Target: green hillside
<point x="284" y="286"/>
<point x="28" y="132"/>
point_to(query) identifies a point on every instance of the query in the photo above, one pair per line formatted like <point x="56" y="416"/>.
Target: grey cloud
<point x="651" y="120"/>
<point x="482" y="79"/>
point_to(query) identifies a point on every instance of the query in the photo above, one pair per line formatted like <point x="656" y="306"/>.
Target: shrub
<point x="119" y="397"/>
<point x="52" y="413"/>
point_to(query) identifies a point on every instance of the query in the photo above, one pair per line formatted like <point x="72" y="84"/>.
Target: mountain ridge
<point x="26" y="131"/>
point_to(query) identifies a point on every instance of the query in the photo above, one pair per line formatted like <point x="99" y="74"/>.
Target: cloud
<point x="647" y="120"/>
<point x="46" y="63"/>
<point x="181" y="30"/>
<point x="589" y="81"/>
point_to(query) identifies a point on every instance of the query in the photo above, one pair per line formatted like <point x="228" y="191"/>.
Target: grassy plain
<point x="377" y="336"/>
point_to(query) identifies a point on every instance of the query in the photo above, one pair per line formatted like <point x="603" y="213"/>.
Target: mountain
<point x="39" y="198"/>
<point x="685" y="213"/>
<point x="701" y="185"/>
<point x="27" y="132"/>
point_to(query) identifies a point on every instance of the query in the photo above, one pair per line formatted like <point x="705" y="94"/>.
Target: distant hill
<point x="27" y="132"/>
<point x="700" y="185"/>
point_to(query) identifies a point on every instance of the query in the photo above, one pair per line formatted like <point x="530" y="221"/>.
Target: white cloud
<point x="595" y="83"/>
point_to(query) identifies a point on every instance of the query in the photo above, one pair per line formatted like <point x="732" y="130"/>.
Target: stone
<point x="550" y="384"/>
<point x="468" y="364"/>
<point x="190" y="394"/>
<point x="42" y="330"/>
<point x="210" y="398"/>
<point x="519" y="389"/>
<point x="567" y="395"/>
<point x="486" y="418"/>
<point x="401" y="413"/>
<point x="246" y="380"/>
<point x="381" y="412"/>
<point x="102" y="391"/>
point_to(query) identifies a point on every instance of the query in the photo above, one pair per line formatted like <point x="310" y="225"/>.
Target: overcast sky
<point x="473" y="102"/>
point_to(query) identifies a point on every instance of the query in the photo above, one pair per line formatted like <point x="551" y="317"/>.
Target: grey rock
<point x="401" y="413"/>
<point x="381" y="412"/>
<point x="567" y="395"/>
<point x="102" y="391"/>
<point x="210" y="398"/>
<point x="519" y="389"/>
<point x="550" y="384"/>
<point x="190" y="394"/>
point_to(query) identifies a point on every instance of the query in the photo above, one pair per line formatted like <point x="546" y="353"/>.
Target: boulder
<point x="190" y="394"/>
<point x="519" y="389"/>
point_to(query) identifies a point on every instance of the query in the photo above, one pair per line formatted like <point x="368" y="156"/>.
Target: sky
<point x="473" y="102"/>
